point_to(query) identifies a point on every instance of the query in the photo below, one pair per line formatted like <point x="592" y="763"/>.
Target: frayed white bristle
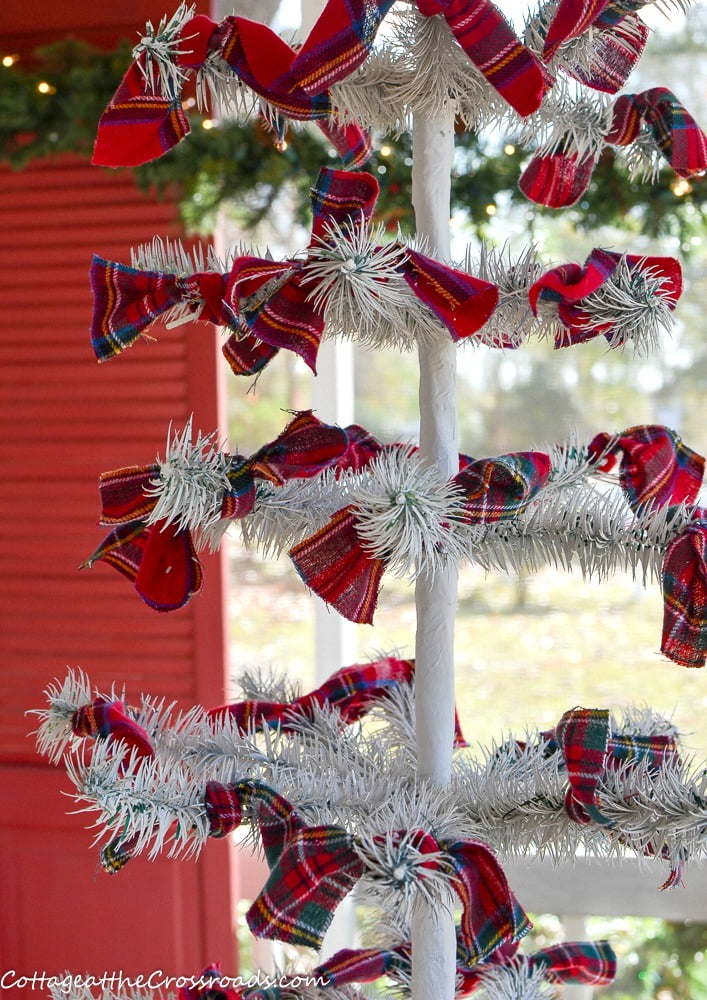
<point x="54" y="734"/>
<point x="160" y="47"/>
<point x="192" y="481"/>
<point x="512" y="321"/>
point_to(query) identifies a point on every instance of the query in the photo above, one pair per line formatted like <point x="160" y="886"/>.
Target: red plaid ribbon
<point x="491" y="44"/>
<point x="567" y="286"/>
<point x="126" y="301"/>
<point x="336" y="566"/>
<point x="571" y="19"/>
<point x="108" y="720"/>
<point x="315" y="871"/>
<point x="116" y="854"/>
<point x="352" y="690"/>
<point x="273" y="301"/>
<point x="160" y="559"/>
<point x="685" y="594"/>
<point x="557" y="179"/>
<point x="138" y="126"/>
<point x="588" y="962"/>
<point x="226" y="806"/>
<point x="616" y="49"/>
<point x="656" y="467"/>
<point x="677" y="135"/>
<point x="589" y="749"/>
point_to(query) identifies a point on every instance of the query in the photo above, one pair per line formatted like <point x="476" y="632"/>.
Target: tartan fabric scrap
<point x="565" y="288"/>
<point x="127" y="301"/>
<point x="556" y="180"/>
<point x="294" y="83"/>
<point x="108" y="720"/>
<point x="497" y="489"/>
<point x="583" y="962"/>
<point x="655" y="466"/>
<point x="352" y="690"/>
<point x="589" y="749"/>
<point x="160" y="559"/>
<point x="226" y="806"/>
<point x="684" y="637"/>
<point x="336" y="566"/>
<point x="493" y="47"/>
<point x="677" y="135"/>
<point x="317" y="868"/>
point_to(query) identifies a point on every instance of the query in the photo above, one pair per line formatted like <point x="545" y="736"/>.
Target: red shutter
<point x="65" y="419"/>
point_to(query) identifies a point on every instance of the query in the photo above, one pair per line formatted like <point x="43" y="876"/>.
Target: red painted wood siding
<point x="63" y="420"/>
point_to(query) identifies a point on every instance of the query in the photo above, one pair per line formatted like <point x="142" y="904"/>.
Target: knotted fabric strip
<point x="616" y="49"/>
<point x="275" y="301"/>
<point x="582" y="962"/>
<point x="676" y="133"/>
<point x="160" y="559"/>
<point x="107" y="719"/>
<point x="590" y="749"/>
<point x="684" y="638"/>
<point x="570" y="20"/>
<point x="126" y="301"/>
<point x="138" y="126"/>
<point x="316" y="870"/>
<point x="493" y="47"/>
<point x="563" y="290"/>
<point x="336" y="565"/>
<point x="655" y="466"/>
<point x="558" y="179"/>
<point x="352" y="690"/>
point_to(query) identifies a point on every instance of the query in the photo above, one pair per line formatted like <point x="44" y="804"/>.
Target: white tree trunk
<point x="433" y="938"/>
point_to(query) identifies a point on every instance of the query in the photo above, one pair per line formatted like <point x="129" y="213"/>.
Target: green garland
<point x="53" y="107"/>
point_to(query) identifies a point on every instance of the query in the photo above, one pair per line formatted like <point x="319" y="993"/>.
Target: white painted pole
<point x="433" y="937"/>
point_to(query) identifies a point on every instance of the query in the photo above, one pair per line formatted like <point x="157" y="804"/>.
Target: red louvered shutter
<point x="64" y="420"/>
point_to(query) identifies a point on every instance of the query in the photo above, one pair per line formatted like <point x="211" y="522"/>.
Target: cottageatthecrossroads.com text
<point x="118" y="983"/>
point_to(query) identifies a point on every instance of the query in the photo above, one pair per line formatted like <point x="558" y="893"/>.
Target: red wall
<point x="64" y="419"/>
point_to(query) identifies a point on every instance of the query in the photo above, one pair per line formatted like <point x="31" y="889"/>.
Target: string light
<point x="45" y="88"/>
<point x="490" y="209"/>
<point x="386" y="150"/>
<point x="208" y="123"/>
<point x="681" y="187"/>
<point x="509" y="149"/>
<point x="9" y="60"/>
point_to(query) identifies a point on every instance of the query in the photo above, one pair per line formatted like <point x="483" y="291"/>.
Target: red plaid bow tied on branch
<point x="160" y="558"/>
<point x="127" y="300"/>
<point x="337" y="566"/>
<point x="566" y="289"/>
<point x="320" y="865"/>
<point x="139" y="124"/>
<point x="493" y="47"/>
<point x="655" y="466"/>
<point x="108" y="719"/>
<point x="560" y="179"/>
<point x="590" y="749"/>
<point x="352" y="690"/>
<point x="617" y="41"/>
<point x="684" y="637"/>
<point x="291" y="314"/>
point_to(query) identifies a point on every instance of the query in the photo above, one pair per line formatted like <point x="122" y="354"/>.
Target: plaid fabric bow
<point x="335" y="564"/>
<point x="319" y="866"/>
<point x="655" y="467"/>
<point x="160" y="559"/>
<point x="316" y="870"/>
<point x="589" y="749"/>
<point x="684" y="638"/>
<point x="566" y="287"/>
<point x="352" y="690"/>
<point x="227" y="805"/>
<point x="126" y="301"/>
<point x="138" y="125"/>
<point x="617" y="45"/>
<point x="108" y="720"/>
<point x="592" y="963"/>
<point x="493" y="47"/>
<point x="676" y="133"/>
<point x="274" y="302"/>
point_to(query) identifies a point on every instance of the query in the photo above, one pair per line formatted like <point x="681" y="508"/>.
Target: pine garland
<point x="239" y="162"/>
